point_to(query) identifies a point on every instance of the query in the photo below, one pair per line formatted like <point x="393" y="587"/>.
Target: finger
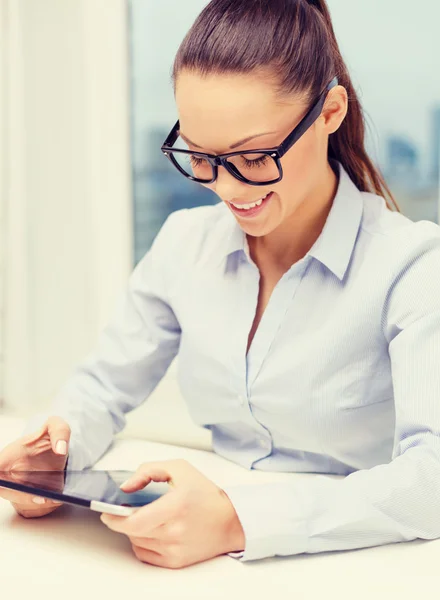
<point x="23" y="500"/>
<point x="170" y="471"/>
<point x="147" y="518"/>
<point x="141" y="479"/>
<point x="14" y="496"/>
<point x="147" y="543"/>
<point x="33" y="437"/>
<point x="59" y="433"/>
<point x="36" y="503"/>
<point x="32" y="513"/>
<point x="148" y="556"/>
<point x="157" y="559"/>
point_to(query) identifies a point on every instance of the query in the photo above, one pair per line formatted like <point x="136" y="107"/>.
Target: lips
<point x="246" y="213"/>
<point x="244" y="204"/>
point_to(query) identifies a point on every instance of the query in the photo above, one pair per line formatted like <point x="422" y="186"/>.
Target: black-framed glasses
<point x="254" y="167"/>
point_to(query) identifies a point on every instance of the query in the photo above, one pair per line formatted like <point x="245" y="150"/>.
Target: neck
<point x="292" y="240"/>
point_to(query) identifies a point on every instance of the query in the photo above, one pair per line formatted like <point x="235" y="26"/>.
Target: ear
<point x="335" y="109"/>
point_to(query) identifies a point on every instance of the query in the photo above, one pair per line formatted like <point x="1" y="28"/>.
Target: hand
<point x="191" y="523"/>
<point x="36" y="452"/>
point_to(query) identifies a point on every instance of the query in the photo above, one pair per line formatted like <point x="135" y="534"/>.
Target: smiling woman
<point x="304" y="311"/>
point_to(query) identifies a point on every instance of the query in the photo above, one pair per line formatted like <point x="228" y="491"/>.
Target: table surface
<point x="71" y="552"/>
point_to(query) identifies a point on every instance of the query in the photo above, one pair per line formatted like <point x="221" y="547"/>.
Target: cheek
<point x="299" y="166"/>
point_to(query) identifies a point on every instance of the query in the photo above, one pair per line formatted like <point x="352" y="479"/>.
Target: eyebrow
<point x="239" y="143"/>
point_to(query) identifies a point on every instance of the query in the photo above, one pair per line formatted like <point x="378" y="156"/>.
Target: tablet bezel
<point x="95" y="505"/>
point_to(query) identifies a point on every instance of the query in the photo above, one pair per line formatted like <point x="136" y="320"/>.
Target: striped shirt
<point x="342" y="376"/>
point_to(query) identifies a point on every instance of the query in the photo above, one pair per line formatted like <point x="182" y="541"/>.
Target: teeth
<point x="249" y="206"/>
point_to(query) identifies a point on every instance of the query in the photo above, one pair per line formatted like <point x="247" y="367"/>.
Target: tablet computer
<point x="93" y="489"/>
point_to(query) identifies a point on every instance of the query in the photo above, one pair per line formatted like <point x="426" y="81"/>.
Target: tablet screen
<point x="80" y="487"/>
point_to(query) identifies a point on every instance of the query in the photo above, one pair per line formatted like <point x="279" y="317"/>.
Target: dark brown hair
<point x="294" y="40"/>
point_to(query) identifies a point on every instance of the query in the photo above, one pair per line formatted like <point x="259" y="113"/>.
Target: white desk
<point x="71" y="554"/>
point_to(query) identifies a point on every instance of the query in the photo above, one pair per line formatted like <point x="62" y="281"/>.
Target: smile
<point x="252" y="209"/>
<point x="252" y="205"/>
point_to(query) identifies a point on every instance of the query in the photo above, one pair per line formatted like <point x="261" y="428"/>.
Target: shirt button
<point x="241" y="400"/>
<point x="264" y="443"/>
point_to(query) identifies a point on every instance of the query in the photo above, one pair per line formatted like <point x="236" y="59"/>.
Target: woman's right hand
<point x="45" y="450"/>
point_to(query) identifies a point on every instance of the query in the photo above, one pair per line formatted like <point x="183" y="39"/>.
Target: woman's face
<point x="216" y="112"/>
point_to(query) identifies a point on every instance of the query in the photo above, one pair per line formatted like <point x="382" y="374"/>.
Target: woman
<point x="305" y="313"/>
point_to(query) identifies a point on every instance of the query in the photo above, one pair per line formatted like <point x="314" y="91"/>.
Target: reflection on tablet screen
<point x="88" y="484"/>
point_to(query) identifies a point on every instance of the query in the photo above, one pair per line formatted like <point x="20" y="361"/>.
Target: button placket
<point x="271" y="321"/>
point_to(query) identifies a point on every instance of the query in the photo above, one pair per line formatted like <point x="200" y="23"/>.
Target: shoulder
<point x="191" y="233"/>
<point x="407" y="254"/>
<point x="401" y="239"/>
<point x="196" y="217"/>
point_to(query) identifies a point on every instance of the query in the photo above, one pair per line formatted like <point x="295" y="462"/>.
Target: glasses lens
<point x="195" y="166"/>
<point x="255" y="167"/>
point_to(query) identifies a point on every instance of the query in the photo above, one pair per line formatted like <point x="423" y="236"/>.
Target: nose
<point x="226" y="186"/>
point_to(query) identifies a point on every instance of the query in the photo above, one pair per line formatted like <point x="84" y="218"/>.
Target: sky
<point x="391" y="47"/>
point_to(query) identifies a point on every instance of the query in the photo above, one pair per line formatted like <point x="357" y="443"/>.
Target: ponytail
<point x="347" y="144"/>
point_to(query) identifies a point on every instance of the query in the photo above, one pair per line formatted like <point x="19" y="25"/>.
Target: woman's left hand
<point x="191" y="523"/>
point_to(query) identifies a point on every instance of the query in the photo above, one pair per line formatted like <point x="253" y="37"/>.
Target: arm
<point x="134" y="352"/>
<point x="394" y="502"/>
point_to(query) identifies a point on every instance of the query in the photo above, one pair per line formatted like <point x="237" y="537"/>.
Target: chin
<point x="256" y="230"/>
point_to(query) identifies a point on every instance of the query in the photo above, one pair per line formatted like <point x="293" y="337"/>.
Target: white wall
<point x="2" y="189"/>
<point x="68" y="203"/>
<point x="68" y="196"/>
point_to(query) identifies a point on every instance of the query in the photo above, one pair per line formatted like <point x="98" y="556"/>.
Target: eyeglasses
<point x="254" y="167"/>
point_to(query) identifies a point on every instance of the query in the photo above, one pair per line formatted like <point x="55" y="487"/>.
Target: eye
<point x="259" y="162"/>
<point x="196" y="161"/>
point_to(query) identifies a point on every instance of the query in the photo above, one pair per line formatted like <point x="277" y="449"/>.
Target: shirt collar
<point x="336" y="242"/>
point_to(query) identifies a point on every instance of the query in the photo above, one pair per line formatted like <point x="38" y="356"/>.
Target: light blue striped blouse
<point x="342" y="377"/>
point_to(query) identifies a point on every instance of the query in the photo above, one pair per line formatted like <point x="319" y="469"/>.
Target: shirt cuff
<point x="78" y="458"/>
<point x="273" y="520"/>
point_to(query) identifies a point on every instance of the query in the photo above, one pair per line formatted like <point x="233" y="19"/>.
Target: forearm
<point x="396" y="502"/>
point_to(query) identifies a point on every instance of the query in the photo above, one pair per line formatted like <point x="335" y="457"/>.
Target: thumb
<point x="31" y="438"/>
<point x="55" y="432"/>
<point x="174" y="472"/>
<point x="145" y="475"/>
<point x="20" y="448"/>
<point x="59" y="433"/>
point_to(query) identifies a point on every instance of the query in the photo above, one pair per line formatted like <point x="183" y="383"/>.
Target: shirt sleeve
<point x="132" y="355"/>
<point x="394" y="502"/>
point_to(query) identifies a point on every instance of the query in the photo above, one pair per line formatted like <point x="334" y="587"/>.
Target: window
<point x="158" y="189"/>
<point x="393" y="54"/>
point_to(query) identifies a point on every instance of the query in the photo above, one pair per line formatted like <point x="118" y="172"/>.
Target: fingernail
<point x="61" y="447"/>
<point x="38" y="500"/>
